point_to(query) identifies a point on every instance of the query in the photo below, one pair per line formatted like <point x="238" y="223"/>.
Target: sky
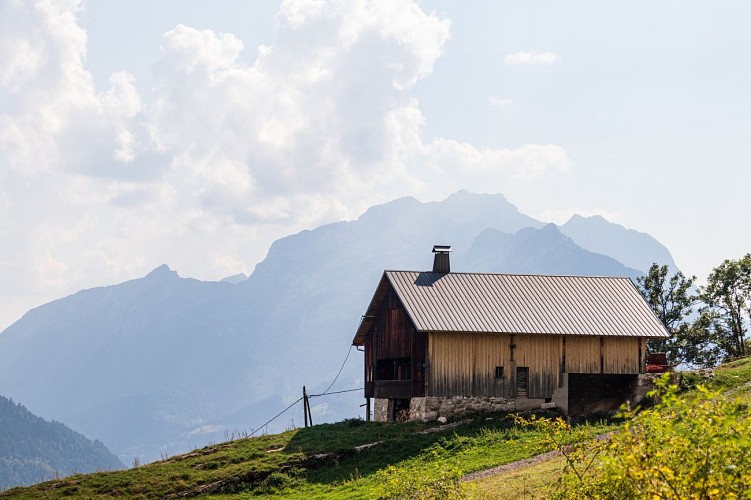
<point x="140" y="132"/>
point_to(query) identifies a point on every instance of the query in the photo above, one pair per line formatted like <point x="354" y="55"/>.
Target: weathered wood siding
<point x="370" y="358"/>
<point x="582" y="354"/>
<point x="621" y="355"/>
<point x="613" y="355"/>
<point x="542" y="354"/>
<point x="462" y="364"/>
<point x="394" y="336"/>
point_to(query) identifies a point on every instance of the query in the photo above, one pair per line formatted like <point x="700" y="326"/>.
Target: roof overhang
<point x="368" y="319"/>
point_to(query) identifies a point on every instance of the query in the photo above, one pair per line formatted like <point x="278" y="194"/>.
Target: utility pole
<point x="306" y="408"/>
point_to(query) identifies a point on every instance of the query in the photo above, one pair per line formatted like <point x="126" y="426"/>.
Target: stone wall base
<point x="382" y="409"/>
<point x="430" y="408"/>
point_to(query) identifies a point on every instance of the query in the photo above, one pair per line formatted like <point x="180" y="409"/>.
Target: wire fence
<point x="275" y="417"/>
<point x="335" y="392"/>
<point x="324" y="393"/>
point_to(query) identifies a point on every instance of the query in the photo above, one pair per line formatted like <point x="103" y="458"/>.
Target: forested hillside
<point x="33" y="449"/>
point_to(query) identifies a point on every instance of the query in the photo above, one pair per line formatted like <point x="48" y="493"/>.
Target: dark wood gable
<point x="394" y="352"/>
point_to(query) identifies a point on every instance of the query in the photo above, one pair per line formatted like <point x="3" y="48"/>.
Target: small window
<point x="499" y="372"/>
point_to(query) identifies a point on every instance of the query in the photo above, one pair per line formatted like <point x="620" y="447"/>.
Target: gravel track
<point x="501" y="469"/>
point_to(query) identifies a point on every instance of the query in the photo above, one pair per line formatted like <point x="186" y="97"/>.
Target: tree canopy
<point x="727" y="296"/>
<point x="707" y="325"/>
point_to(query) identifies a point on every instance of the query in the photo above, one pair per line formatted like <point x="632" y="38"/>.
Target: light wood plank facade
<point x="467" y="364"/>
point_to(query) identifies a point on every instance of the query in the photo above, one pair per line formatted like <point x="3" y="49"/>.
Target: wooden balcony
<point x="393" y="389"/>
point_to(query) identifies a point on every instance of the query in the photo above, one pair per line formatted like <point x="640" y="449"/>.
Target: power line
<point x="275" y="416"/>
<point x="324" y="393"/>
<point x="339" y="373"/>
<point x="335" y="392"/>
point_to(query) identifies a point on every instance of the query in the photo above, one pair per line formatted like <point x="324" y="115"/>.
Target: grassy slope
<point x="310" y="463"/>
<point x="733" y="376"/>
<point x="530" y="482"/>
<point x="322" y="461"/>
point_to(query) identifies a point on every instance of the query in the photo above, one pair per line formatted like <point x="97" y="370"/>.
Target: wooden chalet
<point x="438" y="343"/>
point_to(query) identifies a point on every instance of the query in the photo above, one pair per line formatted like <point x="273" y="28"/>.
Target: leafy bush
<point x="693" y="446"/>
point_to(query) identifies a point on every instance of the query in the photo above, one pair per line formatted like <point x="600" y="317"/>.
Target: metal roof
<point x="518" y="304"/>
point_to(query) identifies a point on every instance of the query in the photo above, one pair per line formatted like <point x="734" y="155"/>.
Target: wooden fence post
<point x="305" y="406"/>
<point x="310" y="413"/>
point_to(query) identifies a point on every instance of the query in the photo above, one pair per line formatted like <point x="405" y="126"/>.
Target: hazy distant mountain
<point x="34" y="450"/>
<point x="632" y="248"/>
<point x="551" y="253"/>
<point x="135" y="364"/>
<point x="235" y="278"/>
<point x="163" y="363"/>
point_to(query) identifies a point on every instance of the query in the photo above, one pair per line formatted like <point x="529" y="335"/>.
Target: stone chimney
<point x="441" y="262"/>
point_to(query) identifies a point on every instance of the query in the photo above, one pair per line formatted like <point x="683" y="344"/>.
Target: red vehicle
<point x="657" y="362"/>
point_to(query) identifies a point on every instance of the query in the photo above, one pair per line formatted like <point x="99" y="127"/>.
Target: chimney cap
<point x="441" y="248"/>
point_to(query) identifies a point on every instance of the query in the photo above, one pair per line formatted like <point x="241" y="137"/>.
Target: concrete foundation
<point x="644" y="383"/>
<point x="560" y="395"/>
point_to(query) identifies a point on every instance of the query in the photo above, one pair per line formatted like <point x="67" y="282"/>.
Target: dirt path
<point x="501" y="469"/>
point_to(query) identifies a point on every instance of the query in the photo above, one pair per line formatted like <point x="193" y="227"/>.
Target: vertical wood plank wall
<point x="542" y="354"/>
<point x="394" y="336"/>
<point x="621" y="354"/>
<point x="582" y="354"/>
<point x="463" y="364"/>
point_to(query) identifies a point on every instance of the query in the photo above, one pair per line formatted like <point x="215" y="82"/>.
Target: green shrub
<point x="696" y="445"/>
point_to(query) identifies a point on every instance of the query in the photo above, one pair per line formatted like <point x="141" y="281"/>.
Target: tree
<point x="728" y="299"/>
<point x="673" y="303"/>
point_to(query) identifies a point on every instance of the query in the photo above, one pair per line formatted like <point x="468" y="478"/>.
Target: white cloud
<point x="55" y="119"/>
<point x="531" y="57"/>
<point x="230" y="265"/>
<point x="227" y="155"/>
<point x="528" y="162"/>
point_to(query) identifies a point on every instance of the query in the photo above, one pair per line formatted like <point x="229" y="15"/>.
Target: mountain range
<point x="160" y="364"/>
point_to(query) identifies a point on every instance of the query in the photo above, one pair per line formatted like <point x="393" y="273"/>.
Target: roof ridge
<point x="511" y="274"/>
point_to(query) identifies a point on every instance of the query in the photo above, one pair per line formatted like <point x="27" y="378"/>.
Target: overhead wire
<point x="324" y="393"/>
<point x="335" y="392"/>
<point x="275" y="417"/>
<point x="339" y="372"/>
